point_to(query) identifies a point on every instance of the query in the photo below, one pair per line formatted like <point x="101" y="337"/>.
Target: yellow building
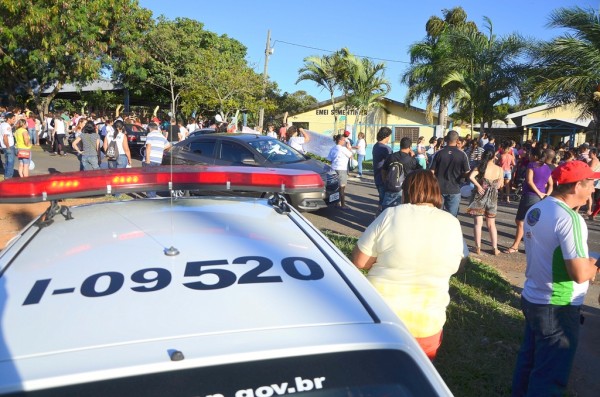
<point x="402" y="119"/>
<point x="553" y="124"/>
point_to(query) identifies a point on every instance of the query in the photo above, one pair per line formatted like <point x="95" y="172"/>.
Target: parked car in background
<point x="136" y="137"/>
<point x="202" y="131"/>
<point x="257" y="151"/>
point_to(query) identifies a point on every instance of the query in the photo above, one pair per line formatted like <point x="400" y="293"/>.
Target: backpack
<point x="394" y="177"/>
<point x="112" y="151"/>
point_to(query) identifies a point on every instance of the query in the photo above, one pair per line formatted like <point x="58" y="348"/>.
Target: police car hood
<point x="103" y="279"/>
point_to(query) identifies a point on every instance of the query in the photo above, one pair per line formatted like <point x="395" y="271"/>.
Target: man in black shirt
<point x="409" y="163"/>
<point x="450" y="165"/>
<point x="380" y="152"/>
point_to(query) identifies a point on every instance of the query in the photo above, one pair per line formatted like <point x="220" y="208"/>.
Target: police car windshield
<point x="276" y="151"/>
<point x="353" y="373"/>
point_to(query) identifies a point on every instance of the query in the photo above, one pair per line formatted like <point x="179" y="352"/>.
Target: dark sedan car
<point x="257" y="151"/>
<point x="136" y="137"/>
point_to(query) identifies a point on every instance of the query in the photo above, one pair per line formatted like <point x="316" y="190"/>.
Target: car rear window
<point x="276" y="151"/>
<point x="355" y="373"/>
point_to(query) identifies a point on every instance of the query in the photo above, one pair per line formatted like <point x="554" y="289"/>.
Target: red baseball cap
<point x="573" y="171"/>
<point x="346" y="133"/>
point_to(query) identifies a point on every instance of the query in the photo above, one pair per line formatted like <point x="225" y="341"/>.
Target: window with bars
<point x="401" y="132"/>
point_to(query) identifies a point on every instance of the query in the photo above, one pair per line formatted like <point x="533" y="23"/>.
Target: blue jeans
<point x="90" y="162"/>
<point x="451" y="203"/>
<point x="391" y="199"/>
<point x="546" y="355"/>
<point x="32" y="135"/>
<point x="9" y="162"/>
<point x="381" y="192"/>
<point x="361" y="158"/>
<point x="152" y="164"/>
<point x="120" y="162"/>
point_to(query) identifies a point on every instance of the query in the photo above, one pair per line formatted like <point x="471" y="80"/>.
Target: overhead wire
<point x="330" y="51"/>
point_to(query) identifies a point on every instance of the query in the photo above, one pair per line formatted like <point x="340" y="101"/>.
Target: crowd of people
<point x="556" y="183"/>
<point x="418" y="186"/>
<point x="90" y="136"/>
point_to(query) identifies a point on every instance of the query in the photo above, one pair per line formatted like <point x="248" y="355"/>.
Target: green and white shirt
<point x="553" y="233"/>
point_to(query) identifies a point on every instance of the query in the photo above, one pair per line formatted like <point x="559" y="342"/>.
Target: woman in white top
<point x="183" y="132"/>
<point x="339" y="155"/>
<point x="120" y="137"/>
<point x="295" y="140"/>
<point x="361" y="151"/>
<point x="271" y="131"/>
<point x="192" y="125"/>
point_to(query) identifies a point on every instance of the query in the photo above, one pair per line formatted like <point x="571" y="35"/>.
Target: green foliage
<point x="224" y="82"/>
<point x="568" y="67"/>
<point x="482" y="334"/>
<point x="487" y="71"/>
<point x="429" y="62"/>
<point x="49" y="43"/>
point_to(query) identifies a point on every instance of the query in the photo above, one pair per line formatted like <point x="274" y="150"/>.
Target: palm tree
<point x="429" y="66"/>
<point x="569" y="65"/>
<point x="321" y="70"/>
<point x="487" y="71"/>
<point x="368" y="85"/>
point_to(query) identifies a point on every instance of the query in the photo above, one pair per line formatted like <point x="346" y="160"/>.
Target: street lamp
<point x="268" y="51"/>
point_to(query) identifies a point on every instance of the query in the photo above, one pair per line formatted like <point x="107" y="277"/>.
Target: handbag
<point x="23" y="154"/>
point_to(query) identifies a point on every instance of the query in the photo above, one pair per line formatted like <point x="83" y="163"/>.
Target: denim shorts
<point x="508" y="174"/>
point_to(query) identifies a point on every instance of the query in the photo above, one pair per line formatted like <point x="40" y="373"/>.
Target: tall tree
<point x="47" y="43"/>
<point x="429" y="67"/>
<point x="367" y="84"/>
<point x="224" y="83"/>
<point x="569" y="65"/>
<point x="321" y="71"/>
<point x="488" y="70"/>
<point x="175" y="49"/>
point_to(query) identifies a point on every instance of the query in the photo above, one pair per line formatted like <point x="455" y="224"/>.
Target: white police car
<point x="204" y="296"/>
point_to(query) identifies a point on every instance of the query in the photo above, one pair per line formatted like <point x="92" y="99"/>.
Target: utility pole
<point x="268" y="51"/>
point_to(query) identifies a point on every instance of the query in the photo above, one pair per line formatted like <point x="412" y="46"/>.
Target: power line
<point x="321" y="49"/>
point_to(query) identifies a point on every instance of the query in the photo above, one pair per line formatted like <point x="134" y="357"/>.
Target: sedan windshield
<point x="276" y="151"/>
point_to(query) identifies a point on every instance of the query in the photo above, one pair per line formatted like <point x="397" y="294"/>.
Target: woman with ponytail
<point x="487" y="178"/>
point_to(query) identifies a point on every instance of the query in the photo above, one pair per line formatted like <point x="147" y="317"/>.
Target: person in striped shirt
<point x="156" y="144"/>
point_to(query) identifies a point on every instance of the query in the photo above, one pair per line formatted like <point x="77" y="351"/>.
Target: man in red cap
<point x="559" y="269"/>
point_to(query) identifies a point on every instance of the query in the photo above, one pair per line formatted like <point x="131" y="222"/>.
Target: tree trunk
<point x="442" y="113"/>
<point x="472" y="121"/>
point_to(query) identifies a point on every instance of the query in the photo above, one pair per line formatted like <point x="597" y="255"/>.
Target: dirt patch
<point x="14" y="217"/>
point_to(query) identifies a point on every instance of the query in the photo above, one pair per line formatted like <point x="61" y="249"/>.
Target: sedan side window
<point x="235" y="154"/>
<point x="202" y="148"/>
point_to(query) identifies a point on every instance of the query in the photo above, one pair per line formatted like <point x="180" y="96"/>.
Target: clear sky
<point x="382" y="29"/>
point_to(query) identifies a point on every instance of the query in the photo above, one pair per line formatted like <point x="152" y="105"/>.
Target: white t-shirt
<point x="361" y="147"/>
<point x="553" y="232"/>
<point x="192" y="127"/>
<point x="296" y="142"/>
<point x="6" y="130"/>
<point x="339" y="155"/>
<point x="119" y="139"/>
<point x="59" y="126"/>
<point x="418" y="248"/>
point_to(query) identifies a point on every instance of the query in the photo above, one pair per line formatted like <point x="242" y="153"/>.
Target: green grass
<point x="482" y="333"/>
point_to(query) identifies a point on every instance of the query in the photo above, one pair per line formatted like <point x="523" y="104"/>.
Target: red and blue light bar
<point x="128" y="180"/>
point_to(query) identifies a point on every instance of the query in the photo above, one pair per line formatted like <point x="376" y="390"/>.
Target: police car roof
<point x="96" y="296"/>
